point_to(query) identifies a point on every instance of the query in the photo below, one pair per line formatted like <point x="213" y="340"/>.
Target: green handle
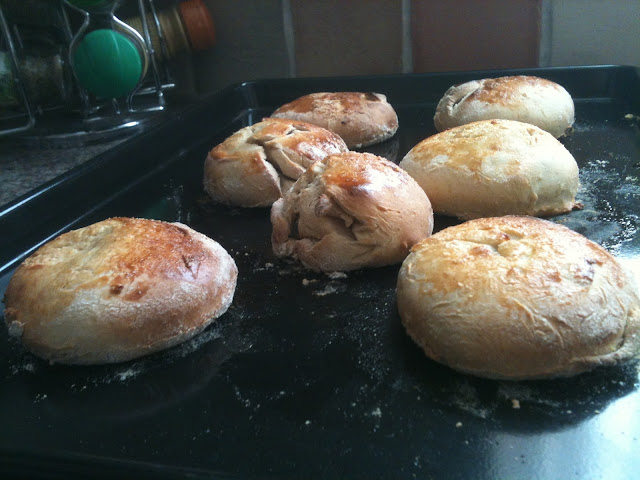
<point x="107" y="64"/>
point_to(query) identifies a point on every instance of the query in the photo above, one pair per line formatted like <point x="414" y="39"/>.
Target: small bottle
<point x="43" y="77"/>
<point x="33" y="55"/>
<point x="185" y="27"/>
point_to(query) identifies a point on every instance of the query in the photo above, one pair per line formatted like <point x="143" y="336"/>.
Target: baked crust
<point x="256" y="164"/>
<point x="349" y="211"/>
<point x="361" y="119"/>
<point x="492" y="168"/>
<point x="118" y="289"/>
<point x="518" y="298"/>
<point x="523" y="98"/>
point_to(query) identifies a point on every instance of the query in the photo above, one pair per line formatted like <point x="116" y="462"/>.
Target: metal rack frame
<point x="151" y="88"/>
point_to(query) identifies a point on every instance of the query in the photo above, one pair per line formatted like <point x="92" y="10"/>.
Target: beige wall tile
<point x="592" y="32"/>
<point x="347" y="37"/>
<point x="459" y="35"/>
<point x="280" y="38"/>
<point x="250" y="44"/>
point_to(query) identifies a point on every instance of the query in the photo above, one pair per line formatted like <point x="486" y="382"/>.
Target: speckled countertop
<point x="23" y="169"/>
<point x="60" y="142"/>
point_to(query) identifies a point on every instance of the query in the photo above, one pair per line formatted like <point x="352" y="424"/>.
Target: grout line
<point x="407" y="51"/>
<point x="289" y="36"/>
<point x="545" y="39"/>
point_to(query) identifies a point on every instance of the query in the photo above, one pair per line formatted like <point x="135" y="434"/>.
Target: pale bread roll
<point x="518" y="298"/>
<point x="523" y="98"/>
<point x="492" y="168"/>
<point x="361" y="119"/>
<point x="257" y="163"/>
<point x="117" y="290"/>
<point x="349" y="211"/>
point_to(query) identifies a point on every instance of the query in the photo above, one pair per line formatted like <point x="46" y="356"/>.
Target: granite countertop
<point x="59" y="143"/>
<point x="23" y="169"/>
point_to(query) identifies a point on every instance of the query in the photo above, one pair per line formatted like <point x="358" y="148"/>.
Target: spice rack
<point x="52" y="89"/>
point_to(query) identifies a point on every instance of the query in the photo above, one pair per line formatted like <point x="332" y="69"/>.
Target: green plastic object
<point x="107" y="64"/>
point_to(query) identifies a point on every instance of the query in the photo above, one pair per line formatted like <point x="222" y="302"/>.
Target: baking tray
<point x="311" y="375"/>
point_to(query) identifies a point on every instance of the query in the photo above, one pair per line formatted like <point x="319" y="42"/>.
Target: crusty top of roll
<point x="523" y="98"/>
<point x="348" y="211"/>
<point x="257" y="163"/>
<point x="118" y="289"/>
<point x="361" y="119"/>
<point x="518" y="298"/>
<point x="495" y="167"/>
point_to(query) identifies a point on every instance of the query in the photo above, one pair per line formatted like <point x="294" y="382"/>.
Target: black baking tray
<point x="311" y="375"/>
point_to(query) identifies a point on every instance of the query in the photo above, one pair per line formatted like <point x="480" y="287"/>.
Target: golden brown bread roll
<point x="528" y="99"/>
<point x="492" y="168"/>
<point x="256" y="164"/>
<point x="348" y="211"/>
<point x="118" y="289"/>
<point x="518" y="298"/>
<point x="361" y="119"/>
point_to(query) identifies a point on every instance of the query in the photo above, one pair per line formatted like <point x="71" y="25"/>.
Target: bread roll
<point x="361" y="119"/>
<point x="492" y="168"/>
<point x="256" y="164"/>
<point x="523" y="98"/>
<point x="518" y="298"/>
<point x="348" y="211"/>
<point x="118" y="289"/>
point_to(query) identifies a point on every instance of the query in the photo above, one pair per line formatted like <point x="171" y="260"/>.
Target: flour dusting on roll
<point x="495" y="167"/>
<point x="351" y="210"/>
<point x="117" y="290"/>
<point x="518" y="298"/>
<point x="257" y="163"/>
<point x="360" y="118"/>
<point x="524" y="98"/>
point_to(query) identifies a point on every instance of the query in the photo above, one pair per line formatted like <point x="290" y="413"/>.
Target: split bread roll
<point x="518" y="298"/>
<point x="256" y="164"/>
<point x="523" y="98"/>
<point x="492" y="168"/>
<point x="117" y="290"/>
<point x="349" y="211"/>
<point x="361" y="119"/>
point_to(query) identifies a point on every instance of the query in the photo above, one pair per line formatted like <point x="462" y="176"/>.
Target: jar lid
<point x="107" y="64"/>
<point x="174" y="32"/>
<point x="198" y="23"/>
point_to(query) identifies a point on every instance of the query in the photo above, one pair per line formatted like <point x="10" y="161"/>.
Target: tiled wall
<point x="338" y="37"/>
<point x="282" y="38"/>
<point x="474" y="35"/>
<point x="251" y="44"/>
<point x="590" y="32"/>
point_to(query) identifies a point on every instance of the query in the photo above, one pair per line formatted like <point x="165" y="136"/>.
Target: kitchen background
<point x="281" y="38"/>
<point x="257" y="39"/>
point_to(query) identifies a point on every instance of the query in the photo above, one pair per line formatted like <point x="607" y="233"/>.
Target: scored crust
<point x="256" y="164"/>
<point x="495" y="167"/>
<point x="348" y="211"/>
<point x="118" y="289"/>
<point x="528" y="99"/>
<point x="518" y="298"/>
<point x="361" y="119"/>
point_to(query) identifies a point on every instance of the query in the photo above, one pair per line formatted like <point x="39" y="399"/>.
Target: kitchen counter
<point x="32" y="161"/>
<point x="24" y="168"/>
